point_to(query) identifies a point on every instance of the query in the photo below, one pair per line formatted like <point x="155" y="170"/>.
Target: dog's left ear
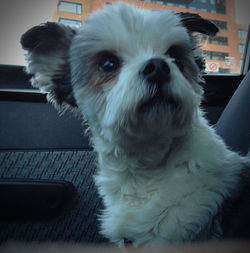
<point x="48" y="61"/>
<point x="195" y="23"/>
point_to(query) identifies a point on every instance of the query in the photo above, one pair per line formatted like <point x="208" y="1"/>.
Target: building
<point x="224" y="52"/>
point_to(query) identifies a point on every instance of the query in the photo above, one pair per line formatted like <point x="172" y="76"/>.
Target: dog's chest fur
<point x="176" y="202"/>
<point x="167" y="206"/>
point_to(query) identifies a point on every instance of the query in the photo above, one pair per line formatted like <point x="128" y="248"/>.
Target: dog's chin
<point x="158" y="102"/>
<point x="162" y="111"/>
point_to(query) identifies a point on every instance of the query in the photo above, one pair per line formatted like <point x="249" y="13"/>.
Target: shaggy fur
<point x="163" y="173"/>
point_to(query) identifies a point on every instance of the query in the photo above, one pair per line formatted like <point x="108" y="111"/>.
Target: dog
<point x="135" y="76"/>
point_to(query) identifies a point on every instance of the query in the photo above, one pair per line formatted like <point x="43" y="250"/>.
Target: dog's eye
<point x="176" y="53"/>
<point x="108" y="63"/>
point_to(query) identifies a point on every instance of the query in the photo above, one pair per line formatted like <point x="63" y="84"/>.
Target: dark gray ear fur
<point x="47" y="56"/>
<point x="194" y="23"/>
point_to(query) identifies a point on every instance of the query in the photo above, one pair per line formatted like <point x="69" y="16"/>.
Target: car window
<point x="224" y="52"/>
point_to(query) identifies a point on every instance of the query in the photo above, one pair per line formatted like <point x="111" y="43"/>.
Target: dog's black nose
<point x="155" y="71"/>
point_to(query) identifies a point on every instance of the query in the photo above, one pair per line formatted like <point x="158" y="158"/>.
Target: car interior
<point x="46" y="163"/>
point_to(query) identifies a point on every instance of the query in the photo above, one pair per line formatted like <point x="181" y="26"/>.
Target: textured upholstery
<point x="80" y="223"/>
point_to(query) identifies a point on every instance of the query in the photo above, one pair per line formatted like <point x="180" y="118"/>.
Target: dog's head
<point x="127" y="69"/>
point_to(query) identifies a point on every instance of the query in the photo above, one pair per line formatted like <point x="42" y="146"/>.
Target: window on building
<point x="70" y="22"/>
<point x="217" y="40"/>
<point x="211" y="6"/>
<point x="241" y="48"/>
<point x="220" y="6"/>
<point x="70" y="7"/>
<point x="241" y="62"/>
<point x="224" y="71"/>
<point x="222" y="25"/>
<point x="212" y="55"/>
<point x="242" y="34"/>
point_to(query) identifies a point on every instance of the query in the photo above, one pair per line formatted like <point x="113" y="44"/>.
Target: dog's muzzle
<point x="155" y="71"/>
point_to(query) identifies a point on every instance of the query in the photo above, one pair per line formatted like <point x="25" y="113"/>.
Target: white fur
<point x="163" y="174"/>
<point x="152" y="195"/>
<point x="173" y="202"/>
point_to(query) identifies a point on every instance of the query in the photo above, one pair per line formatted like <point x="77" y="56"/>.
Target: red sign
<point x="212" y="66"/>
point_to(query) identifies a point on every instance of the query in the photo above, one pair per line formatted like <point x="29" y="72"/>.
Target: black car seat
<point x="234" y="123"/>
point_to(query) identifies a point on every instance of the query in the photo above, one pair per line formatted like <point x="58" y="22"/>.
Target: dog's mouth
<point x="157" y="101"/>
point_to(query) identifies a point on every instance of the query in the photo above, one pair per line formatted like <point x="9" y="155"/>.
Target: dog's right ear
<point x="48" y="61"/>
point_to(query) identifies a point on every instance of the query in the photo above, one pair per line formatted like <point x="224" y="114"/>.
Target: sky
<point x="17" y="16"/>
<point x="242" y="11"/>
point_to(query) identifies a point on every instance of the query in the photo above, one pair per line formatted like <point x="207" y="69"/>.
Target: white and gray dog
<point x="164" y="175"/>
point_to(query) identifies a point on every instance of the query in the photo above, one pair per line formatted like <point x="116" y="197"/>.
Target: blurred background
<point x="224" y="53"/>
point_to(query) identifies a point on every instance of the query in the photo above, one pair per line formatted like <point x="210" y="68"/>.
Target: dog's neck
<point x="124" y="150"/>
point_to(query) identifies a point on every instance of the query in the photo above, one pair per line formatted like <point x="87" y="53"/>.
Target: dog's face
<point x="133" y="67"/>
<point x="127" y="70"/>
